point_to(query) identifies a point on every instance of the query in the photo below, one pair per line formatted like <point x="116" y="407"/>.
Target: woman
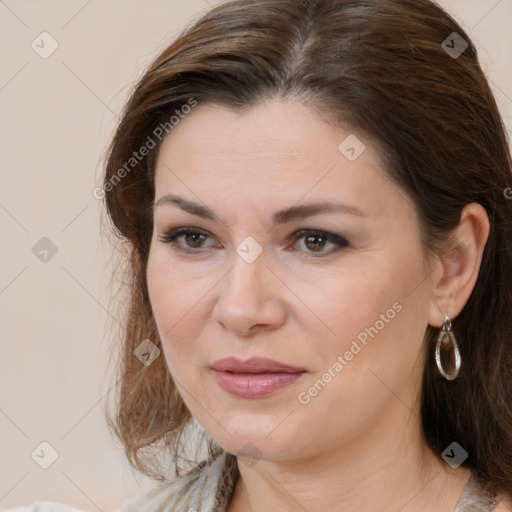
<point x="315" y="200"/>
<point x="348" y="357"/>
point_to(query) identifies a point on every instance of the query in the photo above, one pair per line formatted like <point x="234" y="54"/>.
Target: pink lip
<point x="254" y="378"/>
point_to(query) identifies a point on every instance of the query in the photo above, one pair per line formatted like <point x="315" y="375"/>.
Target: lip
<point x="254" y="365"/>
<point x="256" y="377"/>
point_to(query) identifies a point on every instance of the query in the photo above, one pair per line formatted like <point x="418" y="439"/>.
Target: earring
<point x="446" y="336"/>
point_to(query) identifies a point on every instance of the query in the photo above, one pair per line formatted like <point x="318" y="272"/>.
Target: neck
<point x="386" y="464"/>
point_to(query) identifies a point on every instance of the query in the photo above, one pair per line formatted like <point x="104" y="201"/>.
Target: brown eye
<point x="315" y="241"/>
<point x="194" y="239"/>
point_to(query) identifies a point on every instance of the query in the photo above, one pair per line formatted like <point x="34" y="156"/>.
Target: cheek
<point x="370" y="313"/>
<point x="170" y="290"/>
<point x="179" y="302"/>
<point x="343" y="303"/>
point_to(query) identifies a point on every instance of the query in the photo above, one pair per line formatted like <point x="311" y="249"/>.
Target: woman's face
<point x="342" y="319"/>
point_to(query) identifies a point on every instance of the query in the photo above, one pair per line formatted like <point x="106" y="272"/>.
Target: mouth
<point x="256" y="377"/>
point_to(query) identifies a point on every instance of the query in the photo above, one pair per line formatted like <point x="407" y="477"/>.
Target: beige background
<point x="56" y="116"/>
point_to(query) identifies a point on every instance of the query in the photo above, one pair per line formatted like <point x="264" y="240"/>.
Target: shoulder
<point x="207" y="485"/>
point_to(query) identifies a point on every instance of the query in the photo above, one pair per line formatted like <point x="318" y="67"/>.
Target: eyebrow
<point x="279" y="217"/>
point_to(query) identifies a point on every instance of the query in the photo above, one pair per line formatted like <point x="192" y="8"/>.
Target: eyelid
<point x="173" y="234"/>
<point x="331" y="237"/>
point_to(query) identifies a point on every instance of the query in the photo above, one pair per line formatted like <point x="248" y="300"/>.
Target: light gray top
<point x="475" y="498"/>
<point x="209" y="487"/>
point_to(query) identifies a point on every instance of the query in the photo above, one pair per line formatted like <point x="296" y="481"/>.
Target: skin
<point x="303" y="303"/>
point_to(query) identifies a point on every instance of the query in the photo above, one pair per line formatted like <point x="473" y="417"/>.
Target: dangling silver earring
<point x="446" y="336"/>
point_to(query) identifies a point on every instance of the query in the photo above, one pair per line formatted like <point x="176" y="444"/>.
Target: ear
<point x="458" y="266"/>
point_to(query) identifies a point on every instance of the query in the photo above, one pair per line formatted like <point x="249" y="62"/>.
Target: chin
<point x="254" y="442"/>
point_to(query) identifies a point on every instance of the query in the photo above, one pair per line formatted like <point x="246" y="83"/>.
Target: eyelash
<point x="171" y="236"/>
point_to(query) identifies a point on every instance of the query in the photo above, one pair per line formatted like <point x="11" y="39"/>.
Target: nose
<point x="249" y="298"/>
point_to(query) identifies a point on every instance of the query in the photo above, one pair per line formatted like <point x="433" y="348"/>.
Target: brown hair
<point x="381" y="67"/>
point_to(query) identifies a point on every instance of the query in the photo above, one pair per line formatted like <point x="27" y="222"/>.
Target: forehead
<point x="276" y="148"/>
